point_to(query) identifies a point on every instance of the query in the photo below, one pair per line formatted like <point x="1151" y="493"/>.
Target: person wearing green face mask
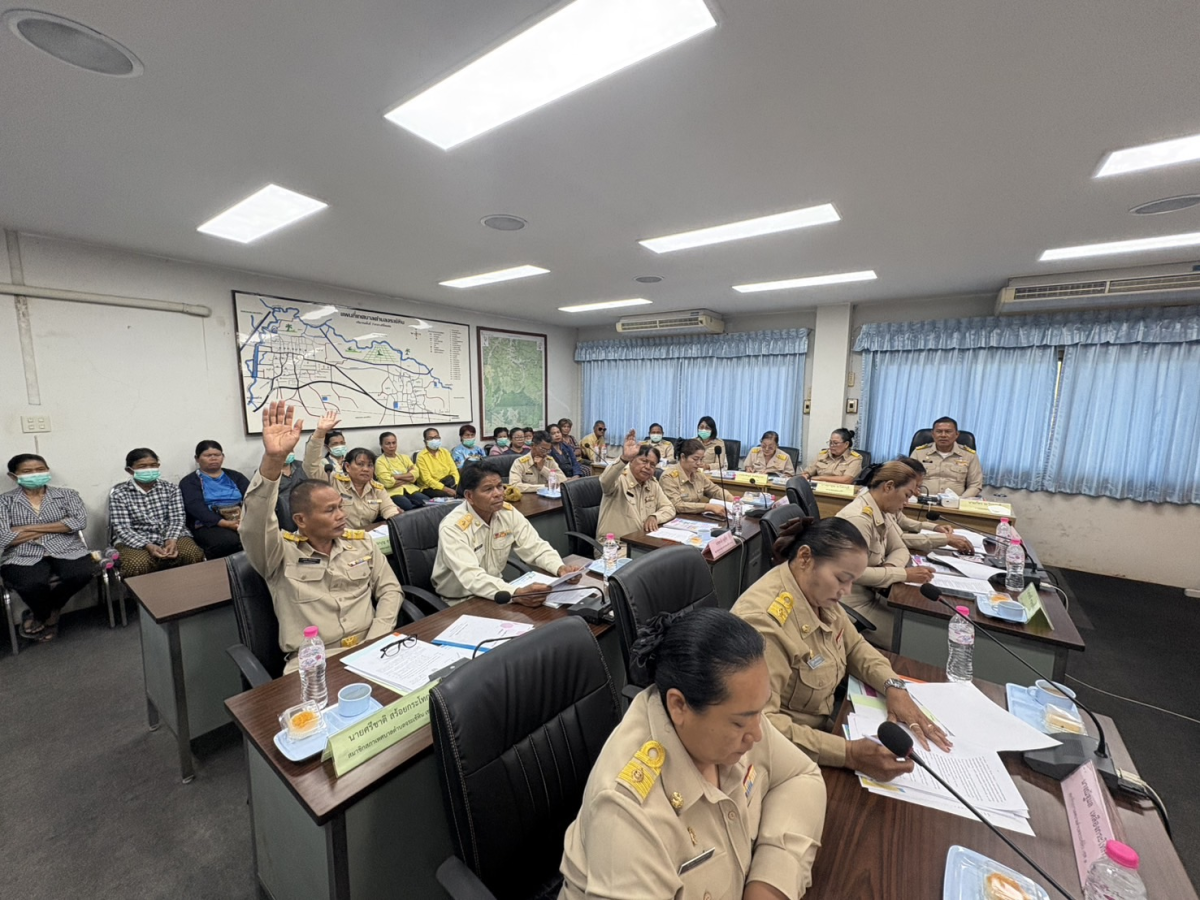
<point x="655" y="439"/>
<point x="148" y="520"/>
<point x="706" y="431"/>
<point x="42" y="557"/>
<point x="437" y="475"/>
<point x="500" y="442"/>
<point x="467" y="449"/>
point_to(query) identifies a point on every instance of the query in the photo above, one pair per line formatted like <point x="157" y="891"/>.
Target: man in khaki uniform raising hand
<point x="324" y="574"/>
<point x="632" y="499"/>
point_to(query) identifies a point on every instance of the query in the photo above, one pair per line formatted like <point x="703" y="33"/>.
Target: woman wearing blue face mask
<point x="147" y="519"/>
<point x="212" y="499"/>
<point x="39" y="541"/>
<point x="437" y="475"/>
<point x="706" y="431"/>
<point x="336" y="449"/>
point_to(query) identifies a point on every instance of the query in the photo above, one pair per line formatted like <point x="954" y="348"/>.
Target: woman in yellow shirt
<point x="436" y="472"/>
<point x="398" y="475"/>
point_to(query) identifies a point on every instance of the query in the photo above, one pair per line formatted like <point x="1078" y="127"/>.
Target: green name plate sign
<point x="1033" y="605"/>
<point x="364" y="740"/>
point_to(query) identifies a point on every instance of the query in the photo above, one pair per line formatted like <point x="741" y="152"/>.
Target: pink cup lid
<point x="1122" y="854"/>
<point x="964" y="611"/>
<point x="311" y="631"/>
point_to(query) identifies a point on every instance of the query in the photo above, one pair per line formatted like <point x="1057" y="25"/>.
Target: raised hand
<point x="632" y="446"/>
<point x="328" y="422"/>
<point x="280" y="434"/>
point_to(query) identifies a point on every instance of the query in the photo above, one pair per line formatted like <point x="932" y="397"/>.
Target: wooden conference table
<point x="547" y="518"/>
<point x="878" y="848"/>
<point x="379" y="831"/>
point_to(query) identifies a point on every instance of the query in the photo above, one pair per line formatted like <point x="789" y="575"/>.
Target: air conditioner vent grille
<point x="1049" y="291"/>
<point x="1158" y="282"/>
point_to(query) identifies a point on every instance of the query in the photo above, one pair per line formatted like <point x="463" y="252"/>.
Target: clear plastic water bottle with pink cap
<point x="1114" y="876"/>
<point x="312" y="667"/>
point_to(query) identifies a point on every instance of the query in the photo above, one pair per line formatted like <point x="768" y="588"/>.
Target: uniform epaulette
<point x="378" y="485"/>
<point x="781" y="607"/>
<point x="781" y="455"/>
<point x="525" y="459"/>
<point x="674" y="473"/>
<point x="867" y="511"/>
<point x="643" y="770"/>
<point x="340" y="477"/>
<point x="464" y="523"/>
<point x="923" y="447"/>
<point x="968" y="449"/>
<point x="354" y="534"/>
<point x="855" y="454"/>
<point x="823" y="453"/>
<point x="507" y="505"/>
<point x="294" y="538"/>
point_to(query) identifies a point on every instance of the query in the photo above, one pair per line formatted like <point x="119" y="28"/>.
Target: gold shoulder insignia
<point x="378" y="485"/>
<point x="340" y="477"/>
<point x="781" y="607"/>
<point x="867" y="511"/>
<point x="823" y="453"/>
<point x="354" y="534"/>
<point x="968" y="449"/>
<point x="524" y="459"/>
<point x="464" y="523"/>
<point x="508" y="505"/>
<point x="855" y="454"/>
<point x="923" y="447"/>
<point x="781" y="455"/>
<point x="294" y="538"/>
<point x="643" y="770"/>
<point x="674" y="473"/>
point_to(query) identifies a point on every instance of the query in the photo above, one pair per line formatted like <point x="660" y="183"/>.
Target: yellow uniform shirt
<point x="528" y="477"/>
<point x="647" y="811"/>
<point x="960" y="471"/>
<point x="388" y="467"/>
<point x="848" y="465"/>
<point x="625" y="505"/>
<point x="887" y="558"/>
<point x="590" y="447"/>
<point x="472" y="553"/>
<point x="808" y="654"/>
<point x="691" y="495"/>
<point x="433" y="467"/>
<point x="779" y="464"/>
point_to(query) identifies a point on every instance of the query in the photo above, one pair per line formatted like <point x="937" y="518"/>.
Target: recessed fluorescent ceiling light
<point x="1134" y="246"/>
<point x="261" y="213"/>
<point x="1150" y="156"/>
<point x="811" y="281"/>
<point x="735" y="231"/>
<point x="579" y="44"/>
<point x="492" y="277"/>
<point x="605" y="304"/>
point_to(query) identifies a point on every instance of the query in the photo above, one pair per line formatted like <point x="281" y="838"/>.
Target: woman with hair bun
<point x="837" y="463"/>
<point x="811" y="645"/>
<point x="695" y="793"/>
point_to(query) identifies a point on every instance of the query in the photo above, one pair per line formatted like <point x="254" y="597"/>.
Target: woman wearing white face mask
<point x="666" y="450"/>
<point x="436" y="472"/>
<point x="38" y="543"/>
<point x="148" y="520"/>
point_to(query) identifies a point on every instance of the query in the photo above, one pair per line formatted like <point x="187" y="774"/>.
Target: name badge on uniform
<point x="816" y="662"/>
<point x="697" y="860"/>
<point x="748" y="783"/>
<point x="359" y="562"/>
<point x="309" y="561"/>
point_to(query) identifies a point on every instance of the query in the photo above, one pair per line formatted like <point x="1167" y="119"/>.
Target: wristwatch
<point x="895" y="683"/>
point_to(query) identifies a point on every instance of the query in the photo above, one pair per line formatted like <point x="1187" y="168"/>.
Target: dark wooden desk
<point x="547" y="518"/>
<point x="317" y="835"/>
<point x="920" y="633"/>
<point x="877" y="848"/>
<point x="186" y="622"/>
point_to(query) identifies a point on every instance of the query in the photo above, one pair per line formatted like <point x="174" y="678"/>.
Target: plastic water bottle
<point x="1014" y="560"/>
<point x="612" y="550"/>
<point x="961" y="664"/>
<point x="735" y="515"/>
<point x="1114" y="876"/>
<point x="312" y="667"/>
<point x="552" y="481"/>
<point x="1003" y="533"/>
<point x="112" y="558"/>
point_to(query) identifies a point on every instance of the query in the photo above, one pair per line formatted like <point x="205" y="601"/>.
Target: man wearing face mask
<point x="39" y="542"/>
<point x="468" y="448"/>
<point x="147" y="519"/>
<point x="436" y="472"/>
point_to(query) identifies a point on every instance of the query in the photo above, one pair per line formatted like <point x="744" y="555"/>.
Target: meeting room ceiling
<point x="956" y="138"/>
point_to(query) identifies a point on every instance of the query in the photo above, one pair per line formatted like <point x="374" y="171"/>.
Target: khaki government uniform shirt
<point x="848" y="465"/>
<point x="779" y="464"/>
<point x="649" y="818"/>
<point x="352" y="594"/>
<point x="472" y="553"/>
<point x="960" y="471"/>
<point x="887" y="558"/>
<point x="666" y="450"/>
<point x="529" y="477"/>
<point x="361" y="509"/>
<point x="691" y="495"/>
<point x="808" y="654"/>
<point x="626" y="505"/>
<point x="710" y="455"/>
<point x="590" y="446"/>
<point x="910" y="533"/>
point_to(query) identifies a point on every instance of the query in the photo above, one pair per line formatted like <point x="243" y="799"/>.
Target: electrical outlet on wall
<point x="35" y="424"/>
<point x="850" y="379"/>
<point x="807" y="407"/>
<point x="852" y="406"/>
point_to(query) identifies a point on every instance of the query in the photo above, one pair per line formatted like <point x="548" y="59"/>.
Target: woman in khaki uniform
<point x="768" y="459"/>
<point x="919" y="541"/>
<point x="666" y="451"/>
<point x="695" y="794"/>
<point x="812" y="645"/>
<point x="364" y="500"/>
<point x="873" y="513"/>
<point x="838" y="463"/>
<point x="687" y="485"/>
<point x="706" y="433"/>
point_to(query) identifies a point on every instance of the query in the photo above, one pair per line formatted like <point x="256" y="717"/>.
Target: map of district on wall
<point x="512" y="376"/>
<point x="377" y="369"/>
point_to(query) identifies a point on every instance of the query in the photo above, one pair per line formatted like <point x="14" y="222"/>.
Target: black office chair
<point x="925" y="436"/>
<point x="414" y="537"/>
<point x="800" y="493"/>
<point x="258" y="656"/>
<point x="504" y="464"/>
<point x="669" y="580"/>
<point x="581" y="510"/>
<point x="515" y="739"/>
<point x="733" y="454"/>
<point x="793" y="453"/>
<point x="866" y="457"/>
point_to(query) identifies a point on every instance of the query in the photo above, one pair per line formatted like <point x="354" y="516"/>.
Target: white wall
<point x="113" y="379"/>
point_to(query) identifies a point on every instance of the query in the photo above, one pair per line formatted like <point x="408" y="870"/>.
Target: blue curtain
<point x="1004" y="396"/>
<point x="1129" y="423"/>
<point x="749" y="382"/>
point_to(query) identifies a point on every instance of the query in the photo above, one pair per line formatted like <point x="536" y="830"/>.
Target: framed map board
<point x="512" y="379"/>
<point x="377" y="369"/>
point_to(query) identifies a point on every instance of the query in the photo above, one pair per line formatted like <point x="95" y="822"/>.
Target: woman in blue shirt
<point x="212" y="498"/>
<point x="563" y="454"/>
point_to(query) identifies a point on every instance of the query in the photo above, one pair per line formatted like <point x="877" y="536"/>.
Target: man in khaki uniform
<point x="948" y="464"/>
<point x="532" y="471"/>
<point x="688" y="487"/>
<point x="590" y="445"/>
<point x="768" y="459"/>
<point x="632" y="499"/>
<point x="475" y="540"/>
<point x="652" y="828"/>
<point x="323" y="575"/>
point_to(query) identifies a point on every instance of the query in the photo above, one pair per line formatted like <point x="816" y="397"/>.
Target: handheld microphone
<point x="1075" y="749"/>
<point x="898" y="742"/>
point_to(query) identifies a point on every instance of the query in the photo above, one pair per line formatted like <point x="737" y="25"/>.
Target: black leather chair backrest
<point x="515" y="734"/>
<point x="770" y="525"/>
<point x="414" y="537"/>
<point x="733" y="454"/>
<point x="581" y="510"/>
<point x="503" y="464"/>
<point x="794" y="453"/>
<point x="925" y="436"/>
<point x="258" y="627"/>
<point x="668" y="580"/>
<point x="800" y="492"/>
<point x="866" y="457"/>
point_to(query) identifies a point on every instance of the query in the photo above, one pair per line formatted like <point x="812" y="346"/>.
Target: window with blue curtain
<point x="1119" y="419"/>
<point x="749" y="382"/>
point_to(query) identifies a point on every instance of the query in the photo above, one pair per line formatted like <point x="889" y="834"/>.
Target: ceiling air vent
<point x="692" y="321"/>
<point x="1147" y="286"/>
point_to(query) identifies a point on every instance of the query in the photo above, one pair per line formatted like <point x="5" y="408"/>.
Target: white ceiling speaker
<point x="73" y="43"/>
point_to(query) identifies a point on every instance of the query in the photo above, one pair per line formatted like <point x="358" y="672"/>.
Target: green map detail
<point x="514" y="382"/>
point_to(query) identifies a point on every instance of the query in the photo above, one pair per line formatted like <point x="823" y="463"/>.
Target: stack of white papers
<point x="975" y="539"/>
<point x="468" y="632"/>
<point x="404" y="670"/>
<point x="969" y="568"/>
<point x="966" y="588"/>
<point x="560" y="597"/>
<point x="964" y="710"/>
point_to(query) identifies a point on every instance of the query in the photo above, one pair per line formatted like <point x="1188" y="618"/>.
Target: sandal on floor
<point x="45" y="636"/>
<point x="27" y="620"/>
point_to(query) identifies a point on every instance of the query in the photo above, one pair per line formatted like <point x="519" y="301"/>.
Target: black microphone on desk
<point x="1075" y="749"/>
<point x="593" y="610"/>
<point x="897" y="741"/>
